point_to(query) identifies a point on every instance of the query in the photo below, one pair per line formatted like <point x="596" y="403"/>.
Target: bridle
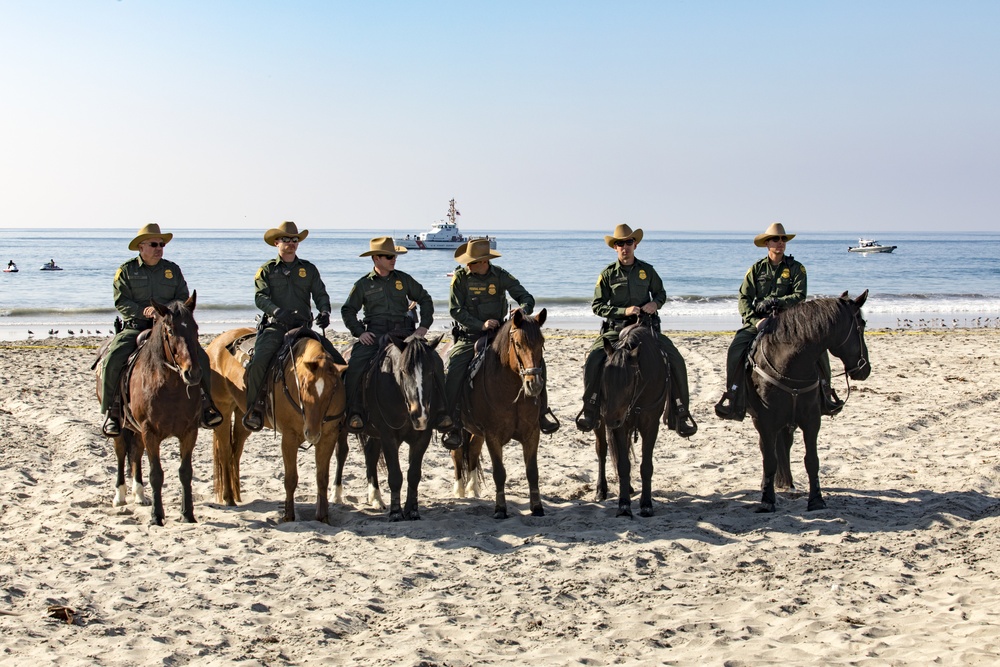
<point x="523" y="371"/>
<point x="636" y="410"/>
<point x="297" y="403"/>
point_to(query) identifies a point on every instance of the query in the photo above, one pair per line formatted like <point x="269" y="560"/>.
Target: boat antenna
<point x="452" y="212"/>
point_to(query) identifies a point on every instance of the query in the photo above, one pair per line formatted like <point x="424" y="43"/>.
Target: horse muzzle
<point x="190" y="376"/>
<point x="861" y="371"/>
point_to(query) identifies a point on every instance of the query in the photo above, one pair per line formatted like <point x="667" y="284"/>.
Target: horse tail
<point x="226" y="464"/>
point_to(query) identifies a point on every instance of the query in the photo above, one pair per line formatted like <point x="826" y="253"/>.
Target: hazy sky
<point x="866" y="116"/>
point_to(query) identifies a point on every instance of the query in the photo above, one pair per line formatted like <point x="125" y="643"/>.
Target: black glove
<point x="285" y="317"/>
<point x="765" y="307"/>
<point x="323" y="320"/>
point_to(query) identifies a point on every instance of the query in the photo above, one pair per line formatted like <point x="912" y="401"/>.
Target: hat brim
<point x="272" y="235"/>
<point x="134" y="245"/>
<point x="399" y="250"/>
<point x="462" y="256"/>
<point x="761" y="239"/>
<point x="636" y="234"/>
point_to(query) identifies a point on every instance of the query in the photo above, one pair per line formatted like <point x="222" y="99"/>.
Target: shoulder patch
<point x="118" y="273"/>
<point x="260" y="272"/>
<point x="802" y="269"/>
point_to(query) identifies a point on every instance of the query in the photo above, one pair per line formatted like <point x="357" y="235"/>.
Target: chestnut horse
<point x="503" y="405"/>
<point x="784" y="383"/>
<point x="308" y="405"/>
<point x="162" y="399"/>
<point x="635" y="385"/>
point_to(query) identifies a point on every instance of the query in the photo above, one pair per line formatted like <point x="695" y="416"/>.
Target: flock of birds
<point x="942" y="323"/>
<point x="81" y="332"/>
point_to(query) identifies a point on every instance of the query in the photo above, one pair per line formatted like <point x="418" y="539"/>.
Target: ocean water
<point x="941" y="279"/>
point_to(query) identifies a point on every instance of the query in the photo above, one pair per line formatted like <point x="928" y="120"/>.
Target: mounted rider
<point x="773" y="284"/>
<point x="384" y="295"/>
<point x="284" y="286"/>
<point x="625" y="289"/>
<point x="137" y="283"/>
<point x="478" y="304"/>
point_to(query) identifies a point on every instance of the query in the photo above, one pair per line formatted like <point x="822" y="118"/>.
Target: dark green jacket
<point x="785" y="282"/>
<point x="385" y="302"/>
<point x="475" y="299"/>
<point x="136" y="285"/>
<point x="619" y="287"/>
<point x="289" y="285"/>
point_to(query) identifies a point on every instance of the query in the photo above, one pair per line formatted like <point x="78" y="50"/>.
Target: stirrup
<point x="210" y="417"/>
<point x="445" y="423"/>
<point x="453" y="438"/>
<point x="355" y="424"/>
<point x="682" y="425"/>
<point x="112" y="427"/>
<point x="730" y="411"/>
<point x="548" y="423"/>
<point x="586" y="420"/>
<point x="253" y="420"/>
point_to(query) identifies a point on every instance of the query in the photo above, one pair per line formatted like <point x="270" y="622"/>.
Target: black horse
<point x="784" y="379"/>
<point x="402" y="398"/>
<point x="634" y="389"/>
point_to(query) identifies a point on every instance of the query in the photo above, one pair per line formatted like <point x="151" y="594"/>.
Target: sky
<point x="550" y="114"/>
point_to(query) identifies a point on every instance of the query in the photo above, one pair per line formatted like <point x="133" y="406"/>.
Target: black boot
<point x="112" y="426"/>
<point x="731" y="405"/>
<point x="210" y="416"/>
<point x="453" y="438"/>
<point x="831" y="403"/>
<point x="587" y="419"/>
<point x="253" y="420"/>
<point x="684" y="423"/>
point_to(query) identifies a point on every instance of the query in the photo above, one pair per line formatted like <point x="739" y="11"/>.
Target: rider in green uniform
<point x="625" y="289"/>
<point x="771" y="285"/>
<point x="384" y="294"/>
<point x="284" y="286"/>
<point x="137" y="283"/>
<point x="478" y="304"/>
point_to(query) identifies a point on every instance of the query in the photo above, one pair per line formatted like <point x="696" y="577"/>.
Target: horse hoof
<point x="624" y="511"/>
<point x="413" y="516"/>
<point x="601" y="496"/>
<point x="395" y="516"/>
<point x="155" y="521"/>
<point x="817" y="504"/>
<point x="537" y="511"/>
<point x="188" y="519"/>
<point x="646" y="512"/>
<point x="500" y="514"/>
<point x="764" y="508"/>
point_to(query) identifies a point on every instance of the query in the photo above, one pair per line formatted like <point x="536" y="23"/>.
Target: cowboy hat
<point x="150" y="231"/>
<point x="475" y="250"/>
<point x="286" y="228"/>
<point x="621" y="233"/>
<point x="383" y="245"/>
<point x="776" y="229"/>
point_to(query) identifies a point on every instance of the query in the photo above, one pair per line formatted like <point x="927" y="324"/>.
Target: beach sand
<point x="900" y="569"/>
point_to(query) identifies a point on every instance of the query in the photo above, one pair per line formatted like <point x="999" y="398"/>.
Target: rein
<point x="297" y="405"/>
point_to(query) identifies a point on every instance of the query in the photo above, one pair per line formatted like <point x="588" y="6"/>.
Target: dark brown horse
<point x="402" y="397"/>
<point x="634" y="390"/>
<point x="162" y="399"/>
<point x="308" y="405"/>
<point x="503" y="405"/>
<point x="785" y="384"/>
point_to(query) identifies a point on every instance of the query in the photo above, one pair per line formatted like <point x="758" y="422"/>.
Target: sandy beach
<point x="901" y="569"/>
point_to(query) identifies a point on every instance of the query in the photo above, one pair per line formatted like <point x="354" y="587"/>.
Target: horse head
<point x="520" y="349"/>
<point x="321" y="397"/>
<point x="853" y="351"/>
<point x="620" y="383"/>
<point x="414" y="371"/>
<point x="175" y="337"/>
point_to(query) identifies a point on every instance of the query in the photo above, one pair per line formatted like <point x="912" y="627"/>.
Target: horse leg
<point x="134" y="452"/>
<point x="290" y="459"/>
<point x="620" y="442"/>
<point x="416" y="460"/>
<point x="646" y="467"/>
<point x="222" y="457"/>
<point x="390" y="452"/>
<point x="338" y="480"/>
<point x="499" y="478"/>
<point x="602" y="469"/>
<point x="373" y="449"/>
<point x="810" y="433"/>
<point x="459" y="458"/>
<point x="783" y="449"/>
<point x="186" y="474"/>
<point x="324" y="452"/>
<point x="240" y="435"/>
<point x="530" y="449"/>
<point x="121" y="491"/>
<point x="474" y="467"/>
<point x="152" y="446"/>
<point x="767" y="442"/>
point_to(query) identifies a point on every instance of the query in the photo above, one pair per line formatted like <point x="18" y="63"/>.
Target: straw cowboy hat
<point x="286" y="228"/>
<point x="621" y="233"/>
<point x="150" y="231"/>
<point x="383" y="245"/>
<point x="776" y="229"/>
<point x="475" y="251"/>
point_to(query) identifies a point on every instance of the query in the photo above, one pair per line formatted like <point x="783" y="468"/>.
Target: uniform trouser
<point x="122" y="345"/>
<point x="361" y="355"/>
<point x="740" y="347"/>
<point x="266" y="345"/>
<point x="459" y="358"/>
<point x="595" y="363"/>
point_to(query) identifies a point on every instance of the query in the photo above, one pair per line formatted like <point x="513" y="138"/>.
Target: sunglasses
<point x="619" y="244"/>
<point x="154" y="244"/>
<point x="289" y="239"/>
<point x="386" y="256"/>
<point x="783" y="239"/>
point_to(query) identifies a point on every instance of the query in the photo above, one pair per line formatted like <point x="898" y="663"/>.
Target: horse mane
<point x="806" y="320"/>
<point x="502" y="340"/>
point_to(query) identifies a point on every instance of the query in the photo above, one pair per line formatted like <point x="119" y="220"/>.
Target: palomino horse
<point x="785" y="383"/>
<point x="402" y="397"/>
<point x="503" y="405"/>
<point x="308" y="405"/>
<point x="162" y="399"/>
<point x="634" y="389"/>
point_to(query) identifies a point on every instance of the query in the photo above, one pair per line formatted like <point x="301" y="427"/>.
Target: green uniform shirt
<point x="136" y="285"/>
<point x="620" y="286"/>
<point x="785" y="282"/>
<point x="477" y="298"/>
<point x="385" y="302"/>
<point x="288" y="285"/>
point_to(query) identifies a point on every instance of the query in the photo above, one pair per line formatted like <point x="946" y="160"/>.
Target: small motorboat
<point x="443" y="235"/>
<point x="870" y="245"/>
<point x="11" y="267"/>
<point x="50" y="266"/>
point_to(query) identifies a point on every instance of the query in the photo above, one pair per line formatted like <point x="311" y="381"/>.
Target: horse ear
<point x="433" y="342"/>
<point x="341" y="369"/>
<point x="860" y="301"/>
<point x="192" y="300"/>
<point x="159" y="307"/>
<point x="634" y="353"/>
<point x="608" y="347"/>
<point x="844" y="295"/>
<point x="398" y="342"/>
<point x="541" y="317"/>
<point x="518" y="317"/>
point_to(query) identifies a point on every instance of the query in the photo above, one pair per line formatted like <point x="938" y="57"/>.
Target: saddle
<point x="479" y="354"/>
<point x="242" y="350"/>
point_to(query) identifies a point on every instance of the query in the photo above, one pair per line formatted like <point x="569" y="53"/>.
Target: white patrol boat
<point x="870" y="245"/>
<point x="443" y="235"/>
